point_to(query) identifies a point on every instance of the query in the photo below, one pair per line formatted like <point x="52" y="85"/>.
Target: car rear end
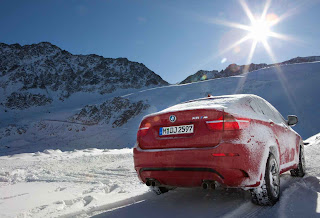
<point x="184" y="148"/>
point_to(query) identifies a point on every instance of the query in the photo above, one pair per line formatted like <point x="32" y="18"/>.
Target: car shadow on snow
<point x="183" y="202"/>
<point x="299" y="198"/>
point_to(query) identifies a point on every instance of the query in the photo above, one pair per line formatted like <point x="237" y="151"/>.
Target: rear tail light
<point x="216" y="124"/>
<point x="228" y="122"/>
<point x="143" y="130"/>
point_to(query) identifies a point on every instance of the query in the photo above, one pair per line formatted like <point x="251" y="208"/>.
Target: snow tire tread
<point x="261" y="195"/>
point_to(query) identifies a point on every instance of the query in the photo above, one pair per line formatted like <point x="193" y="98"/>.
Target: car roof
<point x="226" y="97"/>
<point x="237" y="104"/>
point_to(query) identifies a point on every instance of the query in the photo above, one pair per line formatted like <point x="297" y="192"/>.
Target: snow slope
<point x="103" y="183"/>
<point x="292" y="90"/>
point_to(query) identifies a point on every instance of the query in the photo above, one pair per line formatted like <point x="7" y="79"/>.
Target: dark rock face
<point x="231" y="70"/>
<point x="25" y="100"/>
<point x="201" y="75"/>
<point x="302" y="60"/>
<point x="46" y="67"/>
<point x="118" y="110"/>
<point x="234" y="69"/>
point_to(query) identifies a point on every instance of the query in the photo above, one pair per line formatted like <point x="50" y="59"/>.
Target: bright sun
<point x="259" y="30"/>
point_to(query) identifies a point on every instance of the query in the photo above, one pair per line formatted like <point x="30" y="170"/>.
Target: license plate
<point x="172" y="130"/>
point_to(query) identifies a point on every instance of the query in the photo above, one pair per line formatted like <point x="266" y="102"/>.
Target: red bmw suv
<point x="238" y="141"/>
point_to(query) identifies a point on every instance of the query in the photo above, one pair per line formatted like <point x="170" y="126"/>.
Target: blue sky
<point x="172" y="38"/>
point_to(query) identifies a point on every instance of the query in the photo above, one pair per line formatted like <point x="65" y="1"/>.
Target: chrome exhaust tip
<point x="209" y="184"/>
<point x="152" y="182"/>
<point x="205" y="185"/>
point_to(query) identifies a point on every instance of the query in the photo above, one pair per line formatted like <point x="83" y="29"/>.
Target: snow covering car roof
<point x="214" y="102"/>
<point x="244" y="105"/>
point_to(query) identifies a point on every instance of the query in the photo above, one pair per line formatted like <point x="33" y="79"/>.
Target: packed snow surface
<point x="54" y="183"/>
<point x="103" y="182"/>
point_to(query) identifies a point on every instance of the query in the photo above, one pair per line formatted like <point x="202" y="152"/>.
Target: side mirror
<point x="292" y="120"/>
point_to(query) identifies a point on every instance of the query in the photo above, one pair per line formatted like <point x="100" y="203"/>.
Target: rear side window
<point x="255" y="106"/>
<point x="269" y="111"/>
<point x="278" y="116"/>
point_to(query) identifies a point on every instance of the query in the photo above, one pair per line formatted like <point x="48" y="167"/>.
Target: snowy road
<point x="103" y="183"/>
<point x="297" y="201"/>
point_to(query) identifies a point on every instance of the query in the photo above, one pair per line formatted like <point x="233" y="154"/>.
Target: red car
<point x="238" y="141"/>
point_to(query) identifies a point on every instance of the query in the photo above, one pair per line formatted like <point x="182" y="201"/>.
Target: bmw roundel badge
<point x="172" y="118"/>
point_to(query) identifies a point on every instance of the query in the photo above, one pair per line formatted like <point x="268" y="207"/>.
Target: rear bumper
<point x="190" y="167"/>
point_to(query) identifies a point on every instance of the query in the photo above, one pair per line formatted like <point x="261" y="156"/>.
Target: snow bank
<point x="54" y="183"/>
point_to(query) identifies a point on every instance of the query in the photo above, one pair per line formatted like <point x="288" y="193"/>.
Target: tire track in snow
<point x="223" y="203"/>
<point x="250" y="210"/>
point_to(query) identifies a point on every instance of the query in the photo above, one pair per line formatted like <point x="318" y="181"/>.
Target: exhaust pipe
<point x="208" y="184"/>
<point x="205" y="185"/>
<point x="152" y="182"/>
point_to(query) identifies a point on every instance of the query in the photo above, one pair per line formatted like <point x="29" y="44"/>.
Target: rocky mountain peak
<point x="44" y="68"/>
<point x="234" y="69"/>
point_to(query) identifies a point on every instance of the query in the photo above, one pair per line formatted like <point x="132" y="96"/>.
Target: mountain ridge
<point x="234" y="69"/>
<point x="46" y="69"/>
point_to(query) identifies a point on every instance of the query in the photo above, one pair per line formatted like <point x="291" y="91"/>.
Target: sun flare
<point x="260" y="30"/>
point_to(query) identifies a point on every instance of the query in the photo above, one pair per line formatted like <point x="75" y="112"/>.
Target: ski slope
<point x="292" y="89"/>
<point x="103" y="183"/>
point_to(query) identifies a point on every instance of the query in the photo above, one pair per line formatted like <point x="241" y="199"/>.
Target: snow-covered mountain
<point x="51" y="99"/>
<point x="42" y="79"/>
<point x="39" y="74"/>
<point x="111" y="120"/>
<point x="234" y="69"/>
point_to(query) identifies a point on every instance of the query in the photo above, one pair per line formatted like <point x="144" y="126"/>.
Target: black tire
<point x="269" y="192"/>
<point x="301" y="170"/>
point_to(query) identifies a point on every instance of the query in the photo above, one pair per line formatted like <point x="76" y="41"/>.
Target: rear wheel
<point x="268" y="193"/>
<point x="301" y="170"/>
